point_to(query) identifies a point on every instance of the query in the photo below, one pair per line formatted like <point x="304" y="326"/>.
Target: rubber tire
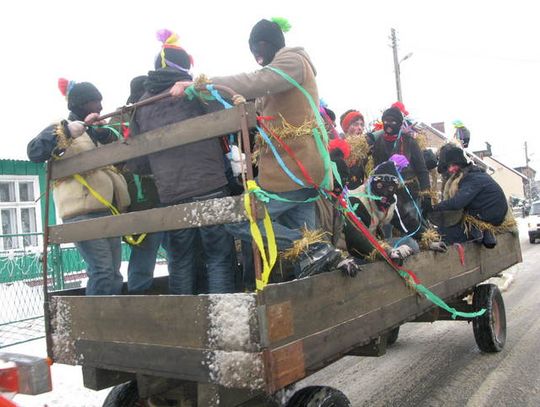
<point x="318" y="396"/>
<point x="490" y="328"/>
<point x="392" y="336"/>
<point x="124" y="395"/>
<point x="532" y="240"/>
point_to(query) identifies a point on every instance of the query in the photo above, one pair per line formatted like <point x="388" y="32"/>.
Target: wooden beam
<point x="188" y="131"/>
<point x="189" y="215"/>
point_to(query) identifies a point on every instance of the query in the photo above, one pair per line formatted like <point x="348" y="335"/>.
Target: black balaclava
<point x="265" y="40"/>
<point x="79" y="95"/>
<point x="394" y="114"/>
<point x="384" y="183"/>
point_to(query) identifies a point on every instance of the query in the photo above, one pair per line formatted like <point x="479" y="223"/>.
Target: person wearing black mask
<point x="416" y="176"/>
<point x="293" y="119"/>
<point x="374" y="204"/>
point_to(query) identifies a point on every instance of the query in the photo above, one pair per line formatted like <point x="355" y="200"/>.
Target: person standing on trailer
<point x="76" y="201"/>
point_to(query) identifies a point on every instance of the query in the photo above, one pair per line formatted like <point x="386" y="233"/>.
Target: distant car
<point x="533" y="222"/>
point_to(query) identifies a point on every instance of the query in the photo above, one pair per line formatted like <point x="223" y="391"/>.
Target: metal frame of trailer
<point x="189" y="348"/>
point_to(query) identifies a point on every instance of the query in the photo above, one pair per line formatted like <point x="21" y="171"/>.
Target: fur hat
<point x="456" y="155"/>
<point x="78" y="94"/>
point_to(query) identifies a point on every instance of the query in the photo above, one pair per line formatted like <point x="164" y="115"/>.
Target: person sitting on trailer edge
<point x="82" y="198"/>
<point x="482" y="202"/>
<point x="374" y="204"/>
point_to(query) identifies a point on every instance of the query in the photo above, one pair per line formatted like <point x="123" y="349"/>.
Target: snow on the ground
<point x="67" y="382"/>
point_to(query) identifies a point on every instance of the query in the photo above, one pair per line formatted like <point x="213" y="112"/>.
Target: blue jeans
<point x="185" y="262"/>
<point x="103" y="258"/>
<point x="142" y="262"/>
<point x="184" y="255"/>
<point x="287" y="218"/>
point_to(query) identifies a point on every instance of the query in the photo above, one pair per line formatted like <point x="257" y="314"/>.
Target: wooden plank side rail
<point x="189" y="215"/>
<point x="188" y="131"/>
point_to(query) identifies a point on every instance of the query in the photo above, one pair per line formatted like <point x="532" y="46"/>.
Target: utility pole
<point x="529" y="180"/>
<point x="396" y="63"/>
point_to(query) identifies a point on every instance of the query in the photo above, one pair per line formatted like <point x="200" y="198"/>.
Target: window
<point x="19" y="212"/>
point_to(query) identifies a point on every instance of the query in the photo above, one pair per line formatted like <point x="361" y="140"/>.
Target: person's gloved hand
<point x="400" y="161"/>
<point x="440" y="247"/>
<point x="426" y="205"/>
<point x="76" y="129"/>
<point x="401" y="252"/>
<point x="350" y="266"/>
<point x="238" y="160"/>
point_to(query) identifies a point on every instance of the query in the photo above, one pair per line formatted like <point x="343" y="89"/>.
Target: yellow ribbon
<point x="270" y="259"/>
<point x="129" y="238"/>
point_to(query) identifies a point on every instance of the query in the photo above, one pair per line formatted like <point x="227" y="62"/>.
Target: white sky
<point x="477" y="61"/>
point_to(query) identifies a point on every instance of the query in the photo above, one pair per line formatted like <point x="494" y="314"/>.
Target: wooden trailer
<point x="246" y="349"/>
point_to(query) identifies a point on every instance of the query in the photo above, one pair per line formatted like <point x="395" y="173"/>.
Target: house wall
<point x="21" y="167"/>
<point x="510" y="182"/>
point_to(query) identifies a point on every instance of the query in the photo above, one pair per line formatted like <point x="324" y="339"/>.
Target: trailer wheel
<point x="490" y="328"/>
<point x="124" y="395"/>
<point x="392" y="336"/>
<point x="318" y="396"/>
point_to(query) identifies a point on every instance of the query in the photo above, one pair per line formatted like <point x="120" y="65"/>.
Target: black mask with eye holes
<point x="386" y="187"/>
<point x="264" y="52"/>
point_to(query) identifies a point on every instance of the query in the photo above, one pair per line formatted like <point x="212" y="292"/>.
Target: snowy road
<point x="430" y="365"/>
<point x="439" y="364"/>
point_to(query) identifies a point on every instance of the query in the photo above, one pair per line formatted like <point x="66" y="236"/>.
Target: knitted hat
<point x="393" y="113"/>
<point x="270" y="32"/>
<point x="172" y="55"/>
<point x="385" y="172"/>
<point x="348" y="118"/>
<point x="455" y="155"/>
<point x="78" y="94"/>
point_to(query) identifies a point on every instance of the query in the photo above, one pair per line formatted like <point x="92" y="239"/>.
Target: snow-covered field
<point x="68" y="389"/>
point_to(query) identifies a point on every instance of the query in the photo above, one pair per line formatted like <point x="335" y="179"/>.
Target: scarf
<point x="163" y="78"/>
<point x="390" y="137"/>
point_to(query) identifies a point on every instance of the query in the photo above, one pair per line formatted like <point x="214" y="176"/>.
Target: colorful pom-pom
<point x="63" y="86"/>
<point x="401" y="107"/>
<point x="340" y="144"/>
<point x="282" y="22"/>
<point x="167" y="37"/>
<point x="163" y="34"/>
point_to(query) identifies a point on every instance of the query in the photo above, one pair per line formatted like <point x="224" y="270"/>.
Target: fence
<point x="21" y="284"/>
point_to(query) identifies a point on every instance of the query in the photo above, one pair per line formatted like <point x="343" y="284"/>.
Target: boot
<point x="318" y="258"/>
<point x="489" y="240"/>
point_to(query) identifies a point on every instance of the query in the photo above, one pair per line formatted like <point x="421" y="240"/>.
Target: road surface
<point x="439" y="364"/>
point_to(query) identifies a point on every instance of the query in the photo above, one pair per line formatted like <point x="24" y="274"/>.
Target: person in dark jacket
<point x="482" y="200"/>
<point x="188" y="173"/>
<point x="416" y="176"/>
<point x="72" y="199"/>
